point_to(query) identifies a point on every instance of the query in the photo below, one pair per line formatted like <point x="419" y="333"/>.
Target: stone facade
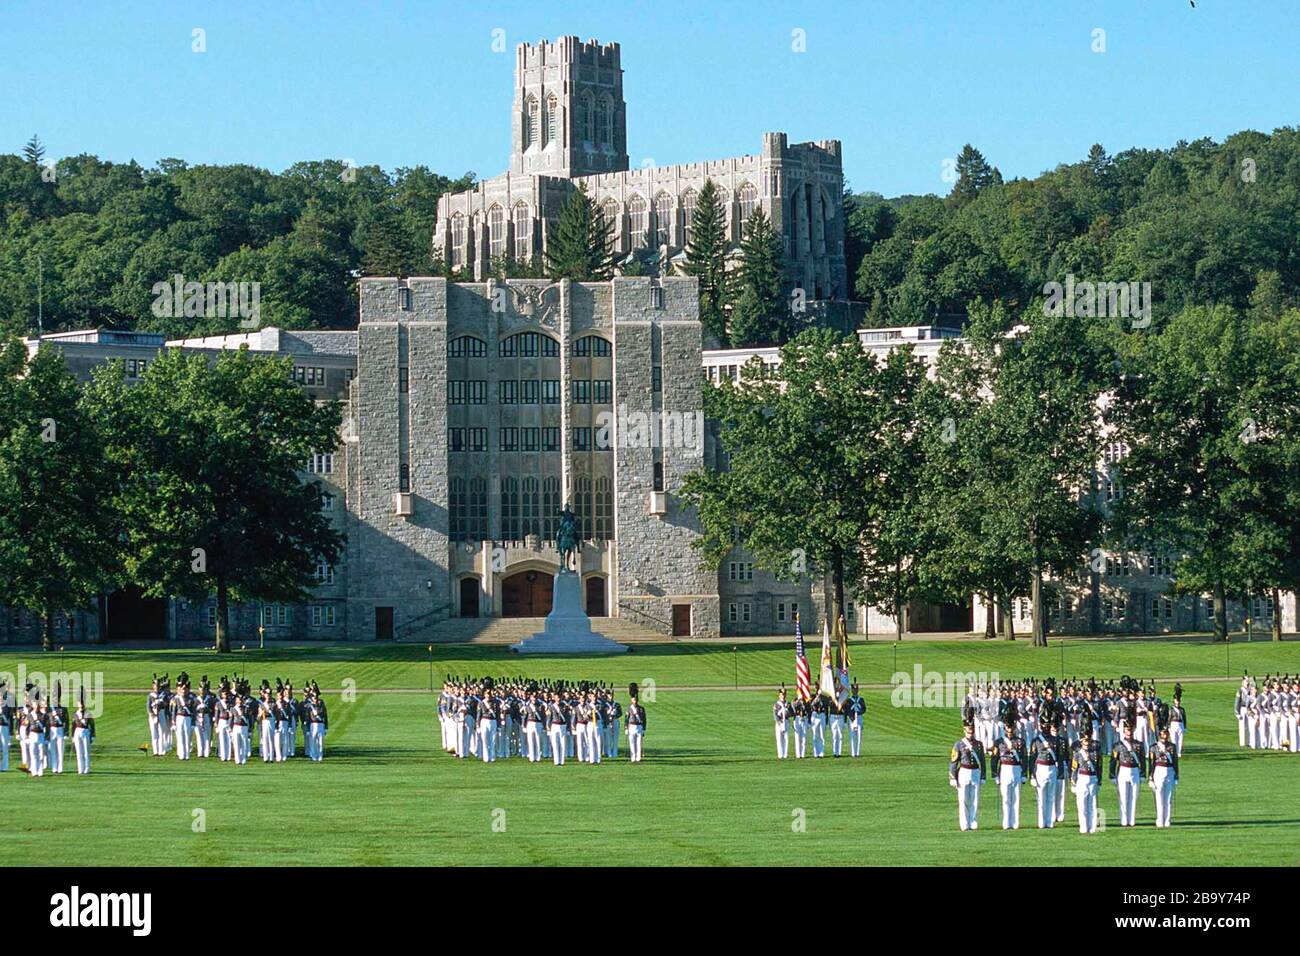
<point x="569" y="129"/>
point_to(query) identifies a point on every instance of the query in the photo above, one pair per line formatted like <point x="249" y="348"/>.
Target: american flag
<point x="802" y="678"/>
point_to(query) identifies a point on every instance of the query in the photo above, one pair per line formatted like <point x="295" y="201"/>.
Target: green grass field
<point x="708" y="792"/>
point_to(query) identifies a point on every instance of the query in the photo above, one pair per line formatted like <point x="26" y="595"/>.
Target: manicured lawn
<point x="709" y="790"/>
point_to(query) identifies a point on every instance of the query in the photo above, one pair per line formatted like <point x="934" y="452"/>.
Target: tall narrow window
<point x="636" y="221"/>
<point x="604" y="510"/>
<point x="457" y="241"/>
<point x="523" y="232"/>
<point x="663" y="219"/>
<point x="602" y="137"/>
<point x="588" y="119"/>
<point x="532" y="122"/>
<point x="610" y="223"/>
<point x="688" y="213"/>
<point x="748" y="197"/>
<point x="509" y="509"/>
<point x="552" y="120"/>
<point x="496" y="231"/>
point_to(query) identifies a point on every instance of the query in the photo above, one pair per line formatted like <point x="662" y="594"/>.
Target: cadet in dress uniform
<point x="317" y="722"/>
<point x="56" y="732"/>
<point x="1085" y="777"/>
<point x="1044" y="758"/>
<point x="613" y="714"/>
<point x="37" y="721"/>
<point x="534" y="718"/>
<point x="205" y="705"/>
<point x="635" y="725"/>
<point x="802" y="712"/>
<point x="1164" y="777"/>
<point x="156" y="708"/>
<point x="966" y="772"/>
<point x="266" y="724"/>
<point x="1010" y="762"/>
<point x="83" y="735"/>
<point x="487" y="727"/>
<point x="557" y="718"/>
<point x="1239" y="707"/>
<point x="1177" y="722"/>
<point x="6" y="727"/>
<point x="593" y="711"/>
<point x="237" y="719"/>
<point x="1128" y="769"/>
<point x="782" y="712"/>
<point x="820" y="709"/>
<point x="857" y="711"/>
<point x="180" y="711"/>
<point x="1292" y="718"/>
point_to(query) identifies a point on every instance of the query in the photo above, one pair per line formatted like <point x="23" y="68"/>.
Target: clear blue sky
<point x="902" y="83"/>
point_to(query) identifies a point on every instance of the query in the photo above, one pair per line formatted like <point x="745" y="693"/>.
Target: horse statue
<point x="566" y="539"/>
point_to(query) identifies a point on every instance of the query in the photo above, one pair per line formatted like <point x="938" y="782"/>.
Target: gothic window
<point x="552" y="119"/>
<point x="478" y="527"/>
<point x="688" y="213"/>
<point x="636" y="220"/>
<point x="523" y="232"/>
<point x="550" y="506"/>
<point x="532" y="122"/>
<point x="604" y="511"/>
<point x="458" y="509"/>
<point x="509" y="509"/>
<point x="496" y="231"/>
<point x="663" y="218"/>
<point x="457" y="241"/>
<point x="588" y="119"/>
<point x="603" y="110"/>
<point x="530" y="509"/>
<point x="467" y="346"/>
<point x="582" y="506"/>
<point x="588" y="346"/>
<point x="609" y="218"/>
<point x="748" y="197"/>
<point x="528" y="345"/>
<point x="724" y="200"/>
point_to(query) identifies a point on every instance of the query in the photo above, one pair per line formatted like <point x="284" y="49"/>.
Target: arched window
<point x="552" y="120"/>
<point x="613" y="228"/>
<point x="530" y="509"/>
<point x="663" y="218"/>
<point x="591" y="346"/>
<point x="466" y="346"/>
<point x="588" y="118"/>
<point x="582" y="506"/>
<point x="458" y="509"/>
<point x="510" y="509"/>
<point x="604" y="511"/>
<point x="528" y="345"/>
<point x="724" y="200"/>
<point x="550" y="506"/>
<point x="532" y="122"/>
<point x="748" y="197"/>
<point x="496" y="218"/>
<point x="457" y="241"/>
<point x="468" y="511"/>
<point x="523" y="231"/>
<point x="604" y="136"/>
<point x="688" y="213"/>
<point x="636" y="221"/>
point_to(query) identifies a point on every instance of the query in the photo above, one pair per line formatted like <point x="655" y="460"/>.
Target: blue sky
<point x="903" y="84"/>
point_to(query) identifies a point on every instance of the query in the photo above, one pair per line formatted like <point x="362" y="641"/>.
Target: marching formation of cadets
<point x="494" y="719"/>
<point x="43" y="725"/>
<point x="809" y="720"/>
<point x="1268" y="712"/>
<point x="1029" y="732"/>
<point x="189" y="721"/>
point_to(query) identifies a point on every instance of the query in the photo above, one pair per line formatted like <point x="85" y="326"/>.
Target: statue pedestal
<point x="568" y="629"/>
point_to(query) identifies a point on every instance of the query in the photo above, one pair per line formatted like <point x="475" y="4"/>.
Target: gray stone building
<point x="569" y="129"/>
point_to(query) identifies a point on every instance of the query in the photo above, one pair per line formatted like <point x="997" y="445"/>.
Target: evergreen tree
<point x="761" y="314"/>
<point x="34" y="151"/>
<point x="706" y="259"/>
<point x="974" y="173"/>
<point x="581" y="245"/>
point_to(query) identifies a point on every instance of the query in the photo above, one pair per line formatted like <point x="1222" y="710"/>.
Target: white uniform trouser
<point x="1252" y="731"/>
<point x="1275" y="730"/>
<point x="1176" y="731"/>
<point x="56" y="748"/>
<point x="317" y="735"/>
<point x="818" y="731"/>
<point x="1128" y="781"/>
<point x="1085" y="800"/>
<point x="545" y="736"/>
<point x="611" y="749"/>
<point x="503" y="739"/>
<point x="1045" y="784"/>
<point x="36" y="754"/>
<point x="569" y="739"/>
<point x="1241" y="729"/>
<point x="155" y="735"/>
<point x="593" y="742"/>
<point x="284" y="740"/>
<point x="1009" y="788"/>
<point x="580" y="742"/>
<point x="968" y="798"/>
<point x="266" y="740"/>
<point x="557" y="734"/>
<point x="487" y="740"/>
<point x="1061" y="783"/>
<point x="458" y="739"/>
<point x="800" y="737"/>
<point x="81" y="747"/>
<point x="1163" y="785"/>
<point x="533" y="740"/>
<point x="782" y="739"/>
<point x="184" y="727"/>
<point x="855" y="736"/>
<point x="239" y="743"/>
<point x="837" y="734"/>
<point x="1292" y="728"/>
<point x="4" y="749"/>
<point x="635" y="737"/>
<point x="203" y="736"/>
<point x="223" y="740"/>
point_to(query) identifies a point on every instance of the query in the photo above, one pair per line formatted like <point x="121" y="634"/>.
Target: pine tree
<point x="761" y="315"/>
<point x="581" y="245"/>
<point x="34" y="151"/>
<point x="973" y="174"/>
<point x="706" y="259"/>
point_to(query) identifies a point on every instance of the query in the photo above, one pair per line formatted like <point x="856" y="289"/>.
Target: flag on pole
<point x="826" y="680"/>
<point x="802" y="677"/>
<point x="842" y="661"/>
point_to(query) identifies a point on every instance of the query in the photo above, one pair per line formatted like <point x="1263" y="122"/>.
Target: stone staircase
<point x="512" y="630"/>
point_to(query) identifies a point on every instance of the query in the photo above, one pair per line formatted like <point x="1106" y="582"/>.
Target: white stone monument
<point x="568" y="629"/>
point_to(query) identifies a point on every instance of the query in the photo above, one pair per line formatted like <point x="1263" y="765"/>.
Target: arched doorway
<point x="526" y="594"/>
<point x="134" y="617"/>
<point x="595" y="596"/>
<point x="469" y="597"/>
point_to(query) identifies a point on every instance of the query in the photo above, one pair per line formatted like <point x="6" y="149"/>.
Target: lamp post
<point x="261" y="637"/>
<point x="430" y="668"/>
<point x="735" y="666"/>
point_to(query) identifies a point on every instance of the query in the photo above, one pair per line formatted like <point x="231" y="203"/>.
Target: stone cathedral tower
<point x="569" y="118"/>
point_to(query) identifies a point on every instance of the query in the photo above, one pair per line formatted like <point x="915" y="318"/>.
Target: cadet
<point x="56" y="733"/>
<point x="613" y="714"/>
<point x="1009" y="764"/>
<point x="36" y="749"/>
<point x="266" y="723"/>
<point x="1085" y="774"/>
<point x="1044" y="755"/>
<point x="317" y="723"/>
<point x="1127" y="769"/>
<point x="205" y="706"/>
<point x="593" y="711"/>
<point x="237" y="718"/>
<point x="781" y="714"/>
<point x="857" y="710"/>
<point x="6" y="726"/>
<point x="1164" y="777"/>
<point x="1177" y="722"/>
<point x="820" y="708"/>
<point x="83" y="734"/>
<point x="181" y="711"/>
<point x="1239" y="707"/>
<point x="966" y="772"/>
<point x="837" y="720"/>
<point x="801" y="711"/>
<point x="156" y="708"/>
<point x="635" y="725"/>
<point x="557" y="715"/>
